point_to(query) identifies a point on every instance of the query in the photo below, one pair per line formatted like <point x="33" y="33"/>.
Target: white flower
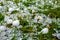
<point x="9" y="21"/>
<point x="2" y="28"/>
<point x="15" y="23"/>
<point x="44" y="31"/>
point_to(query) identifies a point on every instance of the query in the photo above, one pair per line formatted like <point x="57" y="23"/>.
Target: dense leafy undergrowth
<point x="29" y="19"/>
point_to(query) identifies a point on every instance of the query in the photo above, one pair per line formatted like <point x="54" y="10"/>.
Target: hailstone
<point x="2" y="28"/>
<point x="16" y="23"/>
<point x="9" y="21"/>
<point x="44" y="31"/>
<point x="11" y="9"/>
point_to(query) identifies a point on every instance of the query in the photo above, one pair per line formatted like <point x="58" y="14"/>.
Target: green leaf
<point x="24" y="39"/>
<point x="1" y="17"/>
<point x="14" y="12"/>
<point x="27" y="29"/>
<point x="8" y="25"/>
<point x="16" y="1"/>
<point x="28" y="3"/>
<point x="23" y="22"/>
<point x="1" y="4"/>
<point x="14" y="38"/>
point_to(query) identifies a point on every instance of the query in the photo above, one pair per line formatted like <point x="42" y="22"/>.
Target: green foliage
<point x="16" y="1"/>
<point x="27" y="29"/>
<point x="28" y="3"/>
<point x="47" y="6"/>
<point x="14" y="12"/>
<point x="14" y="38"/>
<point x="54" y="25"/>
<point x="1" y="4"/>
<point x="55" y="12"/>
<point x="1" y="17"/>
<point x="23" y="21"/>
<point x="24" y="39"/>
<point x="8" y="25"/>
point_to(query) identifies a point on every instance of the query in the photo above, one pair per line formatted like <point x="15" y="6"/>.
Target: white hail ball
<point x="11" y="9"/>
<point x="2" y="28"/>
<point x="44" y="31"/>
<point x="9" y="21"/>
<point x="58" y="35"/>
<point x="15" y="23"/>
